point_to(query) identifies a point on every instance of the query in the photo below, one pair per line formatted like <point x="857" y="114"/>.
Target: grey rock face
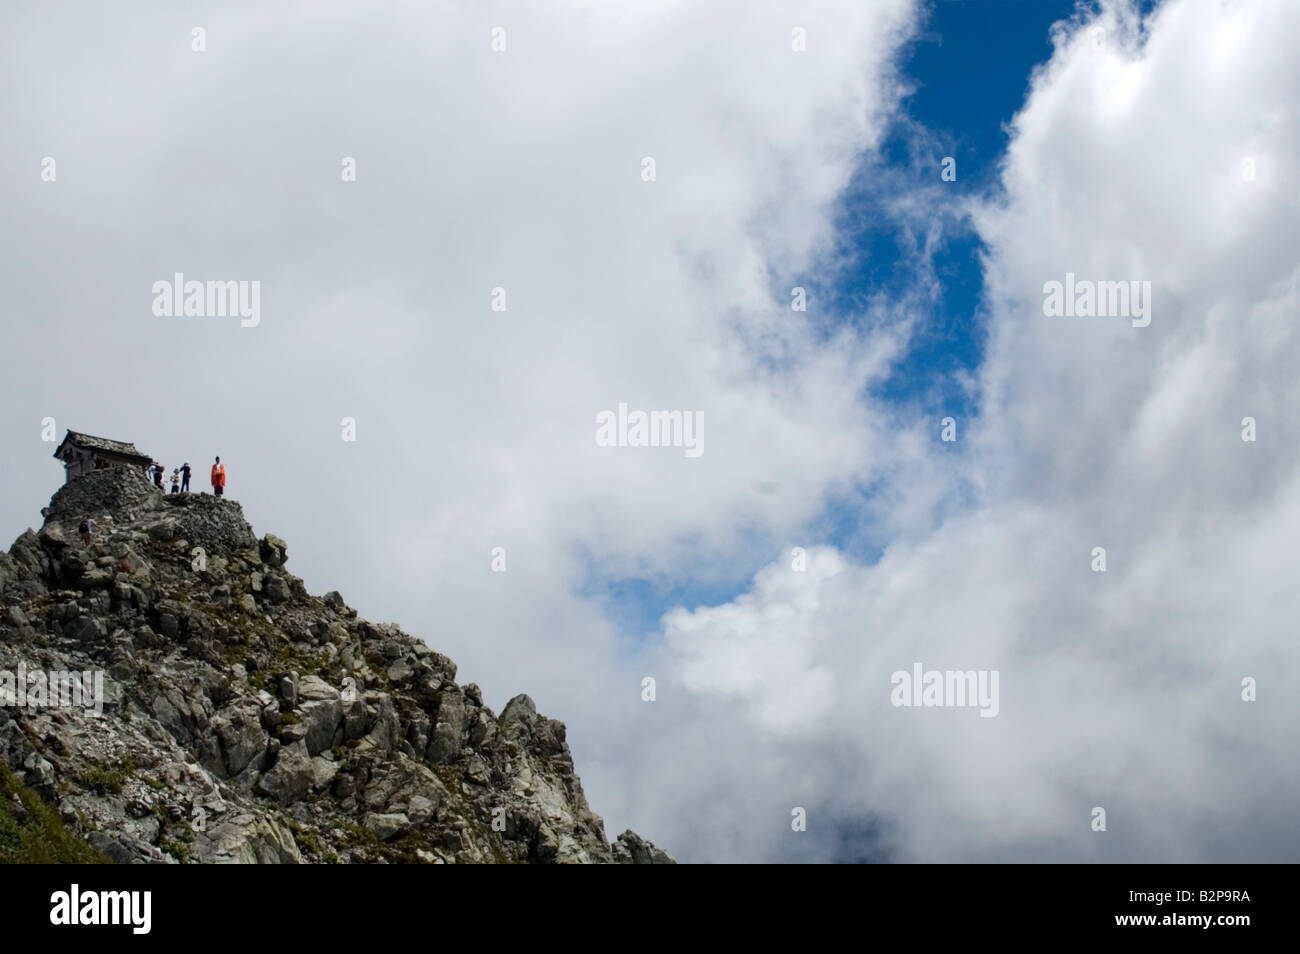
<point x="246" y="721"/>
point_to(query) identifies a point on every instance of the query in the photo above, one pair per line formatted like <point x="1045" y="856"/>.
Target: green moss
<point x="39" y="838"/>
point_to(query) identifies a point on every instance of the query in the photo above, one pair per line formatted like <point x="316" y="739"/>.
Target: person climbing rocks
<point x="185" y="477"/>
<point x="157" y="471"/>
<point x="176" y="480"/>
<point x="87" y="531"/>
<point x="218" y="477"/>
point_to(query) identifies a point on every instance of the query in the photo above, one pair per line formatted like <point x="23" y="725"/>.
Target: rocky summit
<point x="242" y="719"/>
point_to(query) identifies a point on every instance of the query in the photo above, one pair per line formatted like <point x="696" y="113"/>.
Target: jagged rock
<point x="322" y="722"/>
<point x="125" y="848"/>
<point x="27" y="552"/>
<point x="17" y="808"/>
<point x="400" y="672"/>
<point x="85" y="629"/>
<point x="383" y="725"/>
<point x="247" y="839"/>
<point x="449" y="731"/>
<point x="169" y="624"/>
<point x="355" y="716"/>
<point x="289" y="690"/>
<point x="387" y="826"/>
<point x="312" y="688"/>
<point x="277" y="590"/>
<point x="631" y="848"/>
<point x="290" y="778"/>
<point x="240" y="737"/>
<point x="518" y="717"/>
<point x="274" y="551"/>
<point x="52" y="538"/>
<point x="420" y="809"/>
<point x="247" y="721"/>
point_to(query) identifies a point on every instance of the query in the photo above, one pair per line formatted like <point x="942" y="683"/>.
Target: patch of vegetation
<point x="176" y="848"/>
<point x="34" y="834"/>
<point x="306" y="840"/>
<point x="107" y="779"/>
<point x="359" y="834"/>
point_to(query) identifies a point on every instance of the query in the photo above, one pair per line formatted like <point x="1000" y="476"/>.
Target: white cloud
<point x="1122" y="689"/>
<point x="475" y="428"/>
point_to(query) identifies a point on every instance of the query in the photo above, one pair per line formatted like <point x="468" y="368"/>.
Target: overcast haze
<point x="523" y="170"/>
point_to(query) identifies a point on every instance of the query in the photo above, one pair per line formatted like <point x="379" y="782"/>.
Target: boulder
<point x="276" y="590"/>
<point x="274" y="551"/>
<point x="312" y="688"/>
<point x="240" y="735"/>
<point x="631" y="848"/>
<point x="292" y="776"/>
<point x="387" y="826"/>
<point x="321" y="721"/>
<point x="449" y="729"/>
<point x="86" y="629"/>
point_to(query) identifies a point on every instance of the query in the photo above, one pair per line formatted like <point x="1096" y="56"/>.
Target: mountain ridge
<point x="246" y="720"/>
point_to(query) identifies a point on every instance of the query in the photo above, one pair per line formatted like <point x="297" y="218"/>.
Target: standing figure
<point x="185" y="477"/>
<point x="218" y="477"/>
<point x="176" y="480"/>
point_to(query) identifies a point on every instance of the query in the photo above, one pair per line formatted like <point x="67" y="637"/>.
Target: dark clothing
<point x="217" y="490"/>
<point x="185" y="478"/>
<point x="175" y="489"/>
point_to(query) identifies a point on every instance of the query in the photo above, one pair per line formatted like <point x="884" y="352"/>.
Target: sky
<point x="827" y="537"/>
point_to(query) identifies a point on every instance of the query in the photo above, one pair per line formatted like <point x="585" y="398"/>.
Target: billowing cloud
<point x="1163" y="152"/>
<point x="523" y="170"/>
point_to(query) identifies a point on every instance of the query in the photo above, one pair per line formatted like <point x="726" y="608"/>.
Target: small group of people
<point x="180" y="482"/>
<point x="180" y="476"/>
<point x="180" y="479"/>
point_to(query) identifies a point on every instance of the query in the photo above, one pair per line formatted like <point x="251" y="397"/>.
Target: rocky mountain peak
<point x="242" y="719"/>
